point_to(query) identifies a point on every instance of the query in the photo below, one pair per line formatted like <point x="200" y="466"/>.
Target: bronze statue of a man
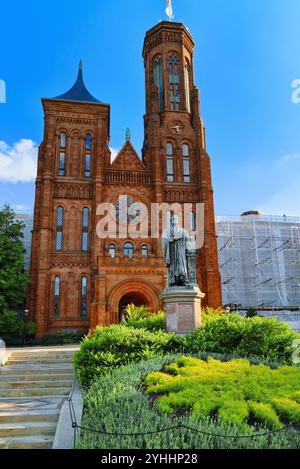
<point x="179" y="255"/>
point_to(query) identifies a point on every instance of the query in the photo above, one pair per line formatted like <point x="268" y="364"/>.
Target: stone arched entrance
<point x="132" y="298"/>
<point x="135" y="292"/>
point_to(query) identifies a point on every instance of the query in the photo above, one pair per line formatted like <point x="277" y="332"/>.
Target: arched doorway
<point x="135" y="299"/>
<point x="135" y="291"/>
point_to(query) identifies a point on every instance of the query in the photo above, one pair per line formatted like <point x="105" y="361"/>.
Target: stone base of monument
<point x="183" y="308"/>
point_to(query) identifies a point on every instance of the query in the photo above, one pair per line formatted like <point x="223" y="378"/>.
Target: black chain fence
<point x="179" y="427"/>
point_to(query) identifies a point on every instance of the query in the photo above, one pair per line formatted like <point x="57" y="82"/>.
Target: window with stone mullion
<point x="85" y="230"/>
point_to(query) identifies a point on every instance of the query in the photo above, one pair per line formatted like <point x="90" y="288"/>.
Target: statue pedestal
<point x="183" y="308"/>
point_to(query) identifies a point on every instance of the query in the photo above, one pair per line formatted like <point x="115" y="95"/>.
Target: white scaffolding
<point x="259" y="261"/>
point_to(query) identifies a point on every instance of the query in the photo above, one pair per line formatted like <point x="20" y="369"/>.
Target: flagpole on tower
<point x="169" y="10"/>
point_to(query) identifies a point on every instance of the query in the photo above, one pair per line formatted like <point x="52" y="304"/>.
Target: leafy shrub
<point x="9" y="325"/>
<point x="231" y="391"/>
<point x="136" y="312"/>
<point x="62" y="338"/>
<point x="266" y="338"/>
<point x="155" y="322"/>
<point x="28" y="328"/>
<point x="210" y="314"/>
<point x="118" y="403"/>
<point x="115" y="346"/>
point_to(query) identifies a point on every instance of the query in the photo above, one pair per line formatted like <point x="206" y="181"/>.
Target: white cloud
<point x="18" y="162"/>
<point x="285" y="198"/>
<point x="21" y="208"/>
<point x="114" y="154"/>
<point x="292" y="157"/>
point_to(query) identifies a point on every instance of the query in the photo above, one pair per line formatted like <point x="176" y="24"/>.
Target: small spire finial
<point x="128" y="135"/>
<point x="80" y="65"/>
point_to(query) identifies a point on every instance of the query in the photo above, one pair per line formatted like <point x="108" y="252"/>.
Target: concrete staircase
<point x="33" y="386"/>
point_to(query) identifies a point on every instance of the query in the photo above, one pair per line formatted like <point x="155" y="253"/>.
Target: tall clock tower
<point x="174" y="146"/>
<point x="77" y="279"/>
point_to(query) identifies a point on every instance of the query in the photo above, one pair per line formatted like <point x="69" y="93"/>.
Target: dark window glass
<point x="56" y="297"/>
<point x="170" y="162"/>
<point x="83" y="306"/>
<point x="159" y="81"/>
<point x="87" y="165"/>
<point x="170" y="170"/>
<point x="62" y="164"/>
<point x="128" y="250"/>
<point x="59" y="228"/>
<point x="186" y="163"/>
<point x="85" y="230"/>
<point x="88" y="142"/>
<point x="174" y="83"/>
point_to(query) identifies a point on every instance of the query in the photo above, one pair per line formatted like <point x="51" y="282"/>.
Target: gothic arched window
<point x="85" y="230"/>
<point x="112" y="251"/>
<point x="144" y="250"/>
<point x="159" y="81"/>
<point x="62" y="154"/>
<point x="83" y="299"/>
<point x="59" y="228"/>
<point x="187" y="87"/>
<point x="88" y="156"/>
<point x="170" y="162"/>
<point x="56" y="297"/>
<point x="186" y="163"/>
<point x="88" y="142"/>
<point x="63" y="140"/>
<point x="174" y="83"/>
<point x="128" y="250"/>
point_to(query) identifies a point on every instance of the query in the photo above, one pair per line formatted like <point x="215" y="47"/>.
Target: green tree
<point x="13" y="278"/>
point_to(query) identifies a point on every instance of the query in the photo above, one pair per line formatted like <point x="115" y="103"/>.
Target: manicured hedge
<point x="265" y="338"/>
<point x="117" y="402"/>
<point x="112" y="347"/>
<point x="116" y="346"/>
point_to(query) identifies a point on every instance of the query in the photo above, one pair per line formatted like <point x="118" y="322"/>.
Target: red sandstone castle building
<point x="78" y="280"/>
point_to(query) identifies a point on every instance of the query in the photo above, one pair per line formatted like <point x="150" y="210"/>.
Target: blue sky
<point x="247" y="55"/>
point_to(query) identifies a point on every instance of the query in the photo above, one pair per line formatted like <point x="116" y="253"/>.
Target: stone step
<point x="32" y="357"/>
<point x="51" y="383"/>
<point x="27" y="429"/>
<point x="34" y="392"/>
<point x="56" y="353"/>
<point x="12" y="378"/>
<point x="17" y="416"/>
<point x="33" y="369"/>
<point x="34" y="442"/>
<point x="37" y="361"/>
<point x="31" y="404"/>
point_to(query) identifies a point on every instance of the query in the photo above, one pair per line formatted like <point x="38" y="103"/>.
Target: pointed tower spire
<point x="78" y="92"/>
